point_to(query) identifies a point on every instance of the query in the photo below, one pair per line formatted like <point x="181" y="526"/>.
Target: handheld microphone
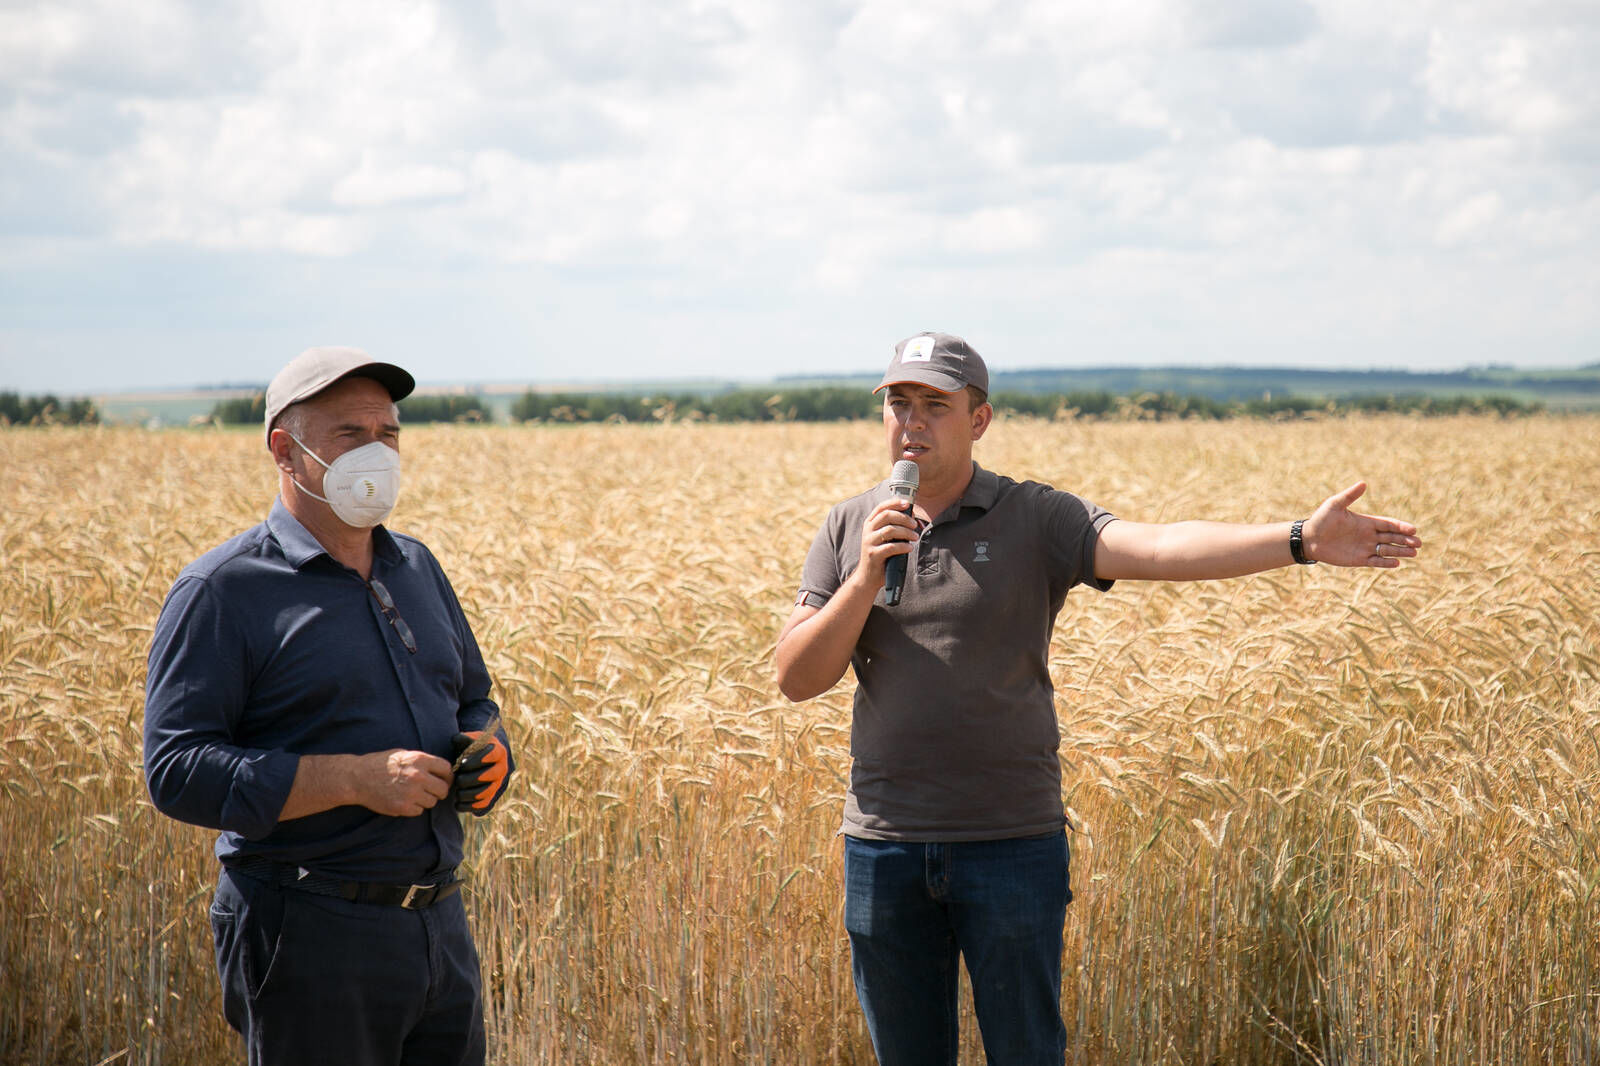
<point x="902" y="486"/>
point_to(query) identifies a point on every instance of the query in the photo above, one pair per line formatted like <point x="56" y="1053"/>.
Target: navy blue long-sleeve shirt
<point x="267" y="649"/>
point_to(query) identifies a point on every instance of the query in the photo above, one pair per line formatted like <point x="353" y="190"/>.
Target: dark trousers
<point x="314" y="979"/>
<point x="915" y="910"/>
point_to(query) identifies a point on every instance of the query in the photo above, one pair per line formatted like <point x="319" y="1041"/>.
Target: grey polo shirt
<point x="954" y="734"/>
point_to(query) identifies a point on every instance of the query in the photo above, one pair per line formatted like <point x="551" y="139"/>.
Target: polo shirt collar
<point x="982" y="490"/>
<point x="300" y="547"/>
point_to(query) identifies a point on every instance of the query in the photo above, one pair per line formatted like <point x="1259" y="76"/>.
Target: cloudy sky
<point x="191" y="192"/>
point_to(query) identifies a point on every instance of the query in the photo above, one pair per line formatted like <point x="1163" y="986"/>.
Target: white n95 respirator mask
<point x="362" y="485"/>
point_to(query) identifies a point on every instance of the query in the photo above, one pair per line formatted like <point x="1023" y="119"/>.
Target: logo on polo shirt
<point x="917" y="350"/>
<point x="980" y="551"/>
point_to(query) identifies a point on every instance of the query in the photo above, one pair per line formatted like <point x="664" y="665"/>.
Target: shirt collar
<point x="300" y="547"/>
<point x="981" y="492"/>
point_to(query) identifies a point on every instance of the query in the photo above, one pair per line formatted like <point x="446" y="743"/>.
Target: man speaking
<point x="955" y="845"/>
<point x="310" y="683"/>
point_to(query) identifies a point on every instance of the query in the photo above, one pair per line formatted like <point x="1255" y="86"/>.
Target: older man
<point x="310" y="683"/>
<point x="954" y="827"/>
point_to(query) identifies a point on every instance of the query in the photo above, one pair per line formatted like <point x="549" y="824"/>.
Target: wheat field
<point x="1320" y="816"/>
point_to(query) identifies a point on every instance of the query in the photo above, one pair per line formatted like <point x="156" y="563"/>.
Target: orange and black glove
<point x="480" y="775"/>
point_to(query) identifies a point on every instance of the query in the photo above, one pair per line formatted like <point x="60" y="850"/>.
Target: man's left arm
<point x="1194" y="551"/>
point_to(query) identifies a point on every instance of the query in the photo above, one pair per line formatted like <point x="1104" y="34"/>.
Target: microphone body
<point x="903" y="483"/>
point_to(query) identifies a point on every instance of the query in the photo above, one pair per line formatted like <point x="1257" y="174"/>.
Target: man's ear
<point x="280" y="442"/>
<point x="981" y="419"/>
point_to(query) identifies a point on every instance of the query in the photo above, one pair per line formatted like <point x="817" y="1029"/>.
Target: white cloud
<point x="374" y="184"/>
<point x="1249" y="24"/>
<point x="1469" y="220"/>
<point x="1172" y="162"/>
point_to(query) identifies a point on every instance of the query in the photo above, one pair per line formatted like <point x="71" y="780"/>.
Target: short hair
<point x="976" y="397"/>
<point x="292" y="419"/>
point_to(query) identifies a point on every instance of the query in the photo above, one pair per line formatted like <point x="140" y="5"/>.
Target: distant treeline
<point x="248" y="410"/>
<point x="240" y="411"/>
<point x="47" y="410"/>
<point x="1167" y="405"/>
<point x="820" y="404"/>
<point x="445" y="409"/>
<point x="828" y="404"/>
<point x="1243" y="383"/>
<point x="823" y="404"/>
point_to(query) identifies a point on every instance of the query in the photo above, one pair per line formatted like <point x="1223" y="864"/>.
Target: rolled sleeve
<point x="1073" y="527"/>
<point x="823" y="572"/>
<point x="194" y="698"/>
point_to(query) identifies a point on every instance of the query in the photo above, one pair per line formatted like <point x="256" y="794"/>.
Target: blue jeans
<point x="913" y="909"/>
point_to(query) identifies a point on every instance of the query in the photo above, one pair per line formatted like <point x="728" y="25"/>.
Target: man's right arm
<point x="395" y="782"/>
<point x="195" y="695"/>
<point x="195" y="771"/>
<point x="816" y="644"/>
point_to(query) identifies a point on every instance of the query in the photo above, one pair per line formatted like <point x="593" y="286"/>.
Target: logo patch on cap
<point x="917" y="350"/>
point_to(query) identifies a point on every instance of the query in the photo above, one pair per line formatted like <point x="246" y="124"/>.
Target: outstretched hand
<point x="1336" y="535"/>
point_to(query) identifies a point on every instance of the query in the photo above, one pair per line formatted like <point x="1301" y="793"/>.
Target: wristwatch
<point x="1297" y="543"/>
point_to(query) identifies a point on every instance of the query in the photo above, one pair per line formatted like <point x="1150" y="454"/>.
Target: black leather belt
<point x="411" y="897"/>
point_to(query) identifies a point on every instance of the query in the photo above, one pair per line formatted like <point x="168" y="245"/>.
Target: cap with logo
<point x="316" y="368"/>
<point x="940" y="361"/>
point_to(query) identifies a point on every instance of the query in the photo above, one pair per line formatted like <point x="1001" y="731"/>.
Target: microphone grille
<point x="905" y="473"/>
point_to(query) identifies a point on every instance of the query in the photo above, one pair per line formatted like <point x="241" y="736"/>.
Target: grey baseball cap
<point x="316" y="368"/>
<point x="940" y="361"/>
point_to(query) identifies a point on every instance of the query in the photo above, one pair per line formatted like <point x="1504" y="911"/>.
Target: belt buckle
<point x="409" y="903"/>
